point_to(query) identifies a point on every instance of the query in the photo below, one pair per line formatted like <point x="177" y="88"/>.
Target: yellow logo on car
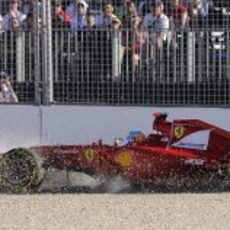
<point x="125" y="158"/>
<point x="90" y="155"/>
<point x="179" y="131"/>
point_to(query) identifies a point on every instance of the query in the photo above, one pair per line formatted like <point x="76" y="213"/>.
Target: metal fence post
<point x="116" y="52"/>
<point x="47" y="60"/>
<point x="20" y="57"/>
<point x="191" y="57"/>
<point x="37" y="56"/>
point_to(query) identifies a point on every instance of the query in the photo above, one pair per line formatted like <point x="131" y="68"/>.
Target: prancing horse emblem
<point x="90" y="154"/>
<point x="179" y="131"/>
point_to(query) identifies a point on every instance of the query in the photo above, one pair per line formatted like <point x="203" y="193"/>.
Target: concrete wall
<point x="31" y="125"/>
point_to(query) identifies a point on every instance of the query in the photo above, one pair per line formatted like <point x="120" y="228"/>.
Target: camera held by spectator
<point x="7" y="94"/>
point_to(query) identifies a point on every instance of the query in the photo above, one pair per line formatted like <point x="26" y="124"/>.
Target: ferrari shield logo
<point x="89" y="155"/>
<point x="179" y="131"/>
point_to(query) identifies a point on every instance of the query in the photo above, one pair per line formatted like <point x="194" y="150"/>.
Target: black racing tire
<point x="21" y="170"/>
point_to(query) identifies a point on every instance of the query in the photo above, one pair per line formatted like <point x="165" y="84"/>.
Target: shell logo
<point x="125" y="158"/>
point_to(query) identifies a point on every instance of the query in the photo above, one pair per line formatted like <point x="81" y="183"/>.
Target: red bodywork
<point x="150" y="159"/>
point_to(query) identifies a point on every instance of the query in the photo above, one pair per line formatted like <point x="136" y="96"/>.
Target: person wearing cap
<point x="14" y="19"/>
<point x="7" y="94"/>
<point x="79" y="21"/>
<point x="71" y="10"/>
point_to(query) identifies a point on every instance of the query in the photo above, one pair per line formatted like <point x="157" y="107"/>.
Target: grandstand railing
<point x="192" y="70"/>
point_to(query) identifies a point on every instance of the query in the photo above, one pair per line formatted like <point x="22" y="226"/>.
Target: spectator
<point x="7" y="94"/>
<point x="14" y="19"/>
<point x="79" y="21"/>
<point x="30" y="8"/>
<point x="130" y="10"/>
<point x="71" y="10"/>
<point x="120" y="7"/>
<point x="143" y="8"/>
<point x="178" y="13"/>
<point x="198" y="11"/>
<point x="133" y="37"/>
<point x="202" y="6"/>
<point x="193" y="10"/>
<point x="105" y="42"/>
<point x="108" y="19"/>
<point x="90" y="48"/>
<point x="157" y="24"/>
<point x="62" y="16"/>
<point x="91" y="21"/>
<point x="96" y="6"/>
<point x="83" y="28"/>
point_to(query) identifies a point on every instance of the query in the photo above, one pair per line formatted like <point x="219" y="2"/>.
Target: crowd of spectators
<point x="154" y="18"/>
<point x="138" y="20"/>
<point x="73" y="13"/>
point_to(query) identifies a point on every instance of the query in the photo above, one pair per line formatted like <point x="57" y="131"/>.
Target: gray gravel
<point x="115" y="211"/>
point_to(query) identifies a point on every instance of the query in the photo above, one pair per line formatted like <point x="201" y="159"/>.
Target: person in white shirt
<point x="79" y="21"/>
<point x="157" y="24"/>
<point x="14" y="19"/>
<point x="7" y="94"/>
<point x="71" y="10"/>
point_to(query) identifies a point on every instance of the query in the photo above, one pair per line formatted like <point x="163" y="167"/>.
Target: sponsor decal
<point x="196" y="161"/>
<point x="90" y="155"/>
<point x="179" y="131"/>
<point x="125" y="158"/>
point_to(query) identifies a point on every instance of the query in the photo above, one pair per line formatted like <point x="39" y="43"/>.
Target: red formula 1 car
<point x="182" y="153"/>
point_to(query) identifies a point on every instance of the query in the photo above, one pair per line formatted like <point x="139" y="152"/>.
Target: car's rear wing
<point x="194" y="133"/>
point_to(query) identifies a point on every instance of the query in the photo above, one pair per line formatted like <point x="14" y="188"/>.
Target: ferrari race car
<point x="178" y="154"/>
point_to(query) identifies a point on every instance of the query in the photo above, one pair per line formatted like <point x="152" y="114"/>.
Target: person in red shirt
<point x="178" y="13"/>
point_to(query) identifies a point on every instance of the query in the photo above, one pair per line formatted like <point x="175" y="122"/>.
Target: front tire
<point x="20" y="170"/>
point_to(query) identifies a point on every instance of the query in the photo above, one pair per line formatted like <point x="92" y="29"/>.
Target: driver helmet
<point x="135" y="135"/>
